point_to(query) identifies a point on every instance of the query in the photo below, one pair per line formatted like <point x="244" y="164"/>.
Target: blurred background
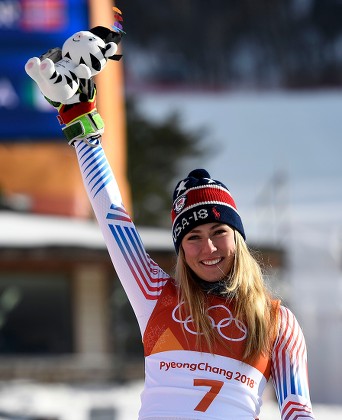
<point x="251" y="91"/>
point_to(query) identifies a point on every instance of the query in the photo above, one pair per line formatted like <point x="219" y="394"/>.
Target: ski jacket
<point x="182" y="383"/>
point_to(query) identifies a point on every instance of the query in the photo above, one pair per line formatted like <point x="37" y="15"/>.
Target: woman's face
<point x="209" y="250"/>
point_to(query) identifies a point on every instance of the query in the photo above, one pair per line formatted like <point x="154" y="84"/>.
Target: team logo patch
<point x="179" y="204"/>
<point x="216" y="213"/>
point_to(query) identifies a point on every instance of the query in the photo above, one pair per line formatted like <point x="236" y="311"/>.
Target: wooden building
<point x="63" y="313"/>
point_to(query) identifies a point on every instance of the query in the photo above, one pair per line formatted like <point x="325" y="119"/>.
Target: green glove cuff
<point x="84" y="127"/>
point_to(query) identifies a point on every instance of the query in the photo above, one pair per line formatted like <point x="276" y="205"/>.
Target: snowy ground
<point x="62" y="402"/>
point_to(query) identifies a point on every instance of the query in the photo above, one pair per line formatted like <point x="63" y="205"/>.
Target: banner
<point x="29" y="28"/>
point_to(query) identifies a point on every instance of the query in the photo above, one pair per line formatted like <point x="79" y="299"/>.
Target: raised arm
<point x="75" y="100"/>
<point x="140" y="276"/>
<point x="289" y="369"/>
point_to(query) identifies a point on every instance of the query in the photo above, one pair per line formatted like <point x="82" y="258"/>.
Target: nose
<point x="209" y="245"/>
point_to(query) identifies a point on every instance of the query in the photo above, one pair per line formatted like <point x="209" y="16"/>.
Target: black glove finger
<point x="55" y="54"/>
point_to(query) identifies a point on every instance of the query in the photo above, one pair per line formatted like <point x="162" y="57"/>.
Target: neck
<point x="217" y="288"/>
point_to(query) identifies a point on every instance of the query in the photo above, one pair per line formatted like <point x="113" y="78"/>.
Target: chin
<point x="211" y="280"/>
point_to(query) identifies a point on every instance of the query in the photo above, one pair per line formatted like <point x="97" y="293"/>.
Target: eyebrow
<point x="216" y="225"/>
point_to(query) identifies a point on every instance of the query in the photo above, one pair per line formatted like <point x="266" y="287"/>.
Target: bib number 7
<point x="215" y="387"/>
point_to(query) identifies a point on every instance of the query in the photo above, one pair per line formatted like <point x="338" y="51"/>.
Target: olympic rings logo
<point x="228" y="327"/>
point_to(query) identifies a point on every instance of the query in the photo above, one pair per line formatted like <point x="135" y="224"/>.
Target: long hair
<point x="245" y="288"/>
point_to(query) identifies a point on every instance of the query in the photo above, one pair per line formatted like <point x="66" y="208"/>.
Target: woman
<point x="212" y="335"/>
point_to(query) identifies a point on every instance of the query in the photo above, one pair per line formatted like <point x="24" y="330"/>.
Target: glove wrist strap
<point x="84" y="127"/>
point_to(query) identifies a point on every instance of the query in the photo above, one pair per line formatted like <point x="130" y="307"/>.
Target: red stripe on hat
<point x="205" y="193"/>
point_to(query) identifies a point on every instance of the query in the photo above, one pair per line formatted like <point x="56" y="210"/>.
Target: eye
<point x="220" y="231"/>
<point x="192" y="237"/>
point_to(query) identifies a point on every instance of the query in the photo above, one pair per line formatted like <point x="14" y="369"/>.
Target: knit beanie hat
<point x="197" y="200"/>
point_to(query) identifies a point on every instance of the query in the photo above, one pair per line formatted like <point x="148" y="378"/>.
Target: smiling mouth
<point x="211" y="262"/>
<point x="76" y="40"/>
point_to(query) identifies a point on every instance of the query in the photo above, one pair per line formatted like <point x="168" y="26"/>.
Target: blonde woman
<point x="212" y="334"/>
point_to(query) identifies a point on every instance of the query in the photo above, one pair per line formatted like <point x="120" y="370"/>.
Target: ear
<point x="111" y="49"/>
<point x="106" y="34"/>
<point x="115" y="57"/>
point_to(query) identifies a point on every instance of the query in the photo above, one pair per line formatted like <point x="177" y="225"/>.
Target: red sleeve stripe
<point x="295" y="410"/>
<point x="149" y="282"/>
<point x="289" y="367"/>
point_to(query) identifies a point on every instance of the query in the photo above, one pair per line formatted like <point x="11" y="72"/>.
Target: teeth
<point x="212" y="262"/>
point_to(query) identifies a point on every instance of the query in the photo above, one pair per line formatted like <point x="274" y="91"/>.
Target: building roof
<point x="23" y="230"/>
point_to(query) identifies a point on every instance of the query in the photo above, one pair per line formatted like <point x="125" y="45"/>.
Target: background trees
<point x="156" y="152"/>
<point x="234" y="43"/>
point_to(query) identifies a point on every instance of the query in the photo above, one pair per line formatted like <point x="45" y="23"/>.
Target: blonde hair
<point x="245" y="288"/>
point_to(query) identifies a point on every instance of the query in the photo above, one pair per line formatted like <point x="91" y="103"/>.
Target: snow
<point x="32" y="230"/>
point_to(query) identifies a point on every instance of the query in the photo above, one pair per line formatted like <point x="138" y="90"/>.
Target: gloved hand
<point x="64" y="76"/>
<point x="80" y="120"/>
